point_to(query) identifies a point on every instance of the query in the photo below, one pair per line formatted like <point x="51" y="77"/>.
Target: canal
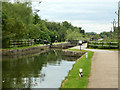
<point x="45" y="70"/>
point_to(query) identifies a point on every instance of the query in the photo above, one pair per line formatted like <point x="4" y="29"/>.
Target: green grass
<point x="37" y="45"/>
<point x="73" y="80"/>
<point x="23" y="47"/>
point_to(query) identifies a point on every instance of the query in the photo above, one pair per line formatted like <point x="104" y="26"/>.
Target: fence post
<point x="88" y="44"/>
<point x="13" y="43"/>
<point x="102" y="44"/>
<point x="109" y="44"/>
<point x="31" y="42"/>
<point x="28" y="42"/>
<point x="9" y="43"/>
<point x="25" y="42"/>
<point x="20" y="43"/>
<point x="95" y="44"/>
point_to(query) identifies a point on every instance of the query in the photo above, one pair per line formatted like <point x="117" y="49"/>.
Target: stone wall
<point x="26" y="51"/>
<point x="72" y="53"/>
<point x="21" y="55"/>
<point x="63" y="45"/>
<point x="31" y="50"/>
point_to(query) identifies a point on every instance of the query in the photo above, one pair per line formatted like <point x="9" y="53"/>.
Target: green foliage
<point x="110" y="36"/>
<point x="19" y="22"/>
<point x="104" y="34"/>
<point x="36" y="19"/>
<point x="33" y="31"/>
<point x="105" y="44"/>
<point x="91" y="33"/>
<point x="67" y="25"/>
<point x="15" y="20"/>
<point x="59" y="28"/>
<point x="74" y="35"/>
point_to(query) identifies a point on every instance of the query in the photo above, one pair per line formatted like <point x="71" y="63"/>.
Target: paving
<point x="104" y="68"/>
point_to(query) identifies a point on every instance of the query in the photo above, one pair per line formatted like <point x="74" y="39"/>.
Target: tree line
<point x="19" y="22"/>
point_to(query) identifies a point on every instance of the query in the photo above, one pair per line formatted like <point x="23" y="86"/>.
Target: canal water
<point x="45" y="70"/>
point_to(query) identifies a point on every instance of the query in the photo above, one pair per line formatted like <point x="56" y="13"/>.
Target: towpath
<point x="104" y="68"/>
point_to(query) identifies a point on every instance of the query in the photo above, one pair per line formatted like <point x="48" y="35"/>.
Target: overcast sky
<point x="91" y="15"/>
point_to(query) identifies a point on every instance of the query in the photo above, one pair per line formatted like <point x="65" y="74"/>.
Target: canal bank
<point x="72" y="80"/>
<point x="66" y="54"/>
<point x="35" y="49"/>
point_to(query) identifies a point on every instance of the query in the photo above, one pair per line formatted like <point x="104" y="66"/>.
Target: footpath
<point x="104" y="68"/>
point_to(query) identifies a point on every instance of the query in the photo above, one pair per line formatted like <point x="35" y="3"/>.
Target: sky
<point x="91" y="15"/>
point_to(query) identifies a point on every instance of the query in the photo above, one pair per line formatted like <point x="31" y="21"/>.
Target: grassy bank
<point x="23" y="47"/>
<point x="30" y="46"/>
<point x="73" y="80"/>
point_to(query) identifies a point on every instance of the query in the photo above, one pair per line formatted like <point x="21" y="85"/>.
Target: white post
<point x="86" y="55"/>
<point x="80" y="72"/>
<point x="80" y="43"/>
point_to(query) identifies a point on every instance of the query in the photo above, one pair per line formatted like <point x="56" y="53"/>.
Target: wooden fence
<point x="95" y="44"/>
<point x="21" y="43"/>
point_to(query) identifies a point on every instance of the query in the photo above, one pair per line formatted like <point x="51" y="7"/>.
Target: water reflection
<point x="40" y="70"/>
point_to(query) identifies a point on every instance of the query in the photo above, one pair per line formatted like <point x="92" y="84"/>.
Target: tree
<point x="36" y="19"/>
<point x="19" y="23"/>
<point x="74" y="35"/>
<point x="68" y="25"/>
<point x="15" y="21"/>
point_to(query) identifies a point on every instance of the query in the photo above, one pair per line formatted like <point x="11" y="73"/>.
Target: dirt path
<point x="104" y="69"/>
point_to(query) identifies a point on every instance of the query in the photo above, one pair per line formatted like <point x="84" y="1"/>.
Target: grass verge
<point x="22" y="47"/>
<point x="73" y="80"/>
<point x="37" y="45"/>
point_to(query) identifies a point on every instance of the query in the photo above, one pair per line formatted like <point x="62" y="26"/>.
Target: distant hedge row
<point x="103" y="45"/>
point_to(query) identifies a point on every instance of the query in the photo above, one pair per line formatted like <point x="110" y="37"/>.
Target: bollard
<point x="80" y="73"/>
<point x="86" y="55"/>
<point x="80" y="43"/>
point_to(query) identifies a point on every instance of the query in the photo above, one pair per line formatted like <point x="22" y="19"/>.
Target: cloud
<point x="91" y="15"/>
<point x="93" y="26"/>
